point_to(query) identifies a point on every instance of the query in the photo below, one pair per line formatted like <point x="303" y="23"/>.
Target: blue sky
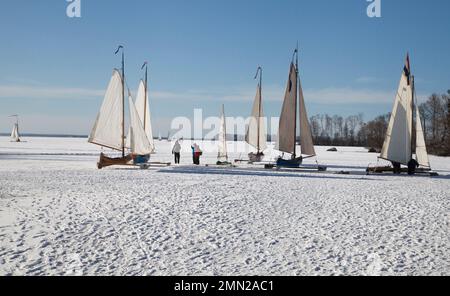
<point x="205" y="53"/>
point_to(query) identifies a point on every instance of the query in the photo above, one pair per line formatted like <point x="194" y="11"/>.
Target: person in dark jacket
<point x="412" y="166"/>
<point x="397" y="168"/>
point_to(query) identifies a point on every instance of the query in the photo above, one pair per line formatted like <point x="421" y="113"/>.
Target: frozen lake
<point x="60" y="215"/>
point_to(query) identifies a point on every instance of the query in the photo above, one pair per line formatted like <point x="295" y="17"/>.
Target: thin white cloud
<point x="271" y="93"/>
<point x="39" y="92"/>
<point x="335" y="96"/>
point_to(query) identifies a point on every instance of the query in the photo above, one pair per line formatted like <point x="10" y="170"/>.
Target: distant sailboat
<point x="15" y="135"/>
<point x="398" y="143"/>
<point x="256" y="130"/>
<point x="222" y="155"/>
<point x="159" y="137"/>
<point x="109" y="127"/>
<point x="287" y="132"/>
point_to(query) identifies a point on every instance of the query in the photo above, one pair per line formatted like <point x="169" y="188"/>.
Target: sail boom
<point x="106" y="146"/>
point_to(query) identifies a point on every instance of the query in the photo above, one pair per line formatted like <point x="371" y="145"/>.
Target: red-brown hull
<point x="108" y="161"/>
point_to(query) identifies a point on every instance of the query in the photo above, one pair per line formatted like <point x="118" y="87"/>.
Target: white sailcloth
<point x="107" y="130"/>
<point x="256" y="130"/>
<point x="222" y="137"/>
<point x="421" y="148"/>
<point x="397" y="144"/>
<point x="306" y="141"/>
<point x="143" y="109"/>
<point x="286" y="129"/>
<point x="15" y="133"/>
<point x="139" y="142"/>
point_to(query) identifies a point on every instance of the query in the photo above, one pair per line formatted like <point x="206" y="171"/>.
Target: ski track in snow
<point x="65" y="217"/>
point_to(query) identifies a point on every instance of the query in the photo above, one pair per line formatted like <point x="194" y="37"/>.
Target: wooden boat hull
<point x="106" y="161"/>
<point x="291" y="163"/>
<point x="255" y="157"/>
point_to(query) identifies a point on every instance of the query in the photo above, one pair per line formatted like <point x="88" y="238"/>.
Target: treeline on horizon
<point x="353" y="131"/>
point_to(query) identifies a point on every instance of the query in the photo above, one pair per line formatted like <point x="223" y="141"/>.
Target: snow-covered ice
<point x="60" y="215"/>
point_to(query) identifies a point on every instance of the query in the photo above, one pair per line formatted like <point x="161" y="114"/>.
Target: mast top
<point x="258" y="71"/>
<point x="119" y="48"/>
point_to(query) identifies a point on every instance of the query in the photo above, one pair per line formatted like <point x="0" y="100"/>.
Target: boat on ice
<point x="143" y="110"/>
<point x="109" y="127"/>
<point x="222" y="155"/>
<point x="287" y="131"/>
<point x="255" y="135"/>
<point x="15" y="135"/>
<point x="404" y="123"/>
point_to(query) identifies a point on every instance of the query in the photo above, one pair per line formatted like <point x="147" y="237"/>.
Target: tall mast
<point x="224" y="129"/>
<point x="259" y="107"/>
<point x="123" y="103"/>
<point x="145" y="87"/>
<point x="123" y="97"/>
<point x="413" y="86"/>
<point x="296" y="99"/>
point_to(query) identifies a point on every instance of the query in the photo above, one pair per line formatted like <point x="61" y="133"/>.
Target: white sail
<point x="107" y="130"/>
<point x="287" y="126"/>
<point x="143" y="109"/>
<point x="15" y="133"/>
<point x="421" y="148"/>
<point x="139" y="142"/>
<point x="128" y="139"/>
<point x="397" y="144"/>
<point x="222" y="137"/>
<point x="306" y="141"/>
<point x="256" y="130"/>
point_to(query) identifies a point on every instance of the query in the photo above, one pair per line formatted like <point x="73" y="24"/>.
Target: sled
<point x="389" y="169"/>
<point x="319" y="168"/>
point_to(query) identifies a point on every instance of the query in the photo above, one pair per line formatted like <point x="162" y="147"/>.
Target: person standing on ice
<point x="412" y="166"/>
<point x="196" y="152"/>
<point x="176" y="150"/>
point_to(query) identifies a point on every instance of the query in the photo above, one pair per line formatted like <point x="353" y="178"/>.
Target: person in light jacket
<point x="176" y="150"/>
